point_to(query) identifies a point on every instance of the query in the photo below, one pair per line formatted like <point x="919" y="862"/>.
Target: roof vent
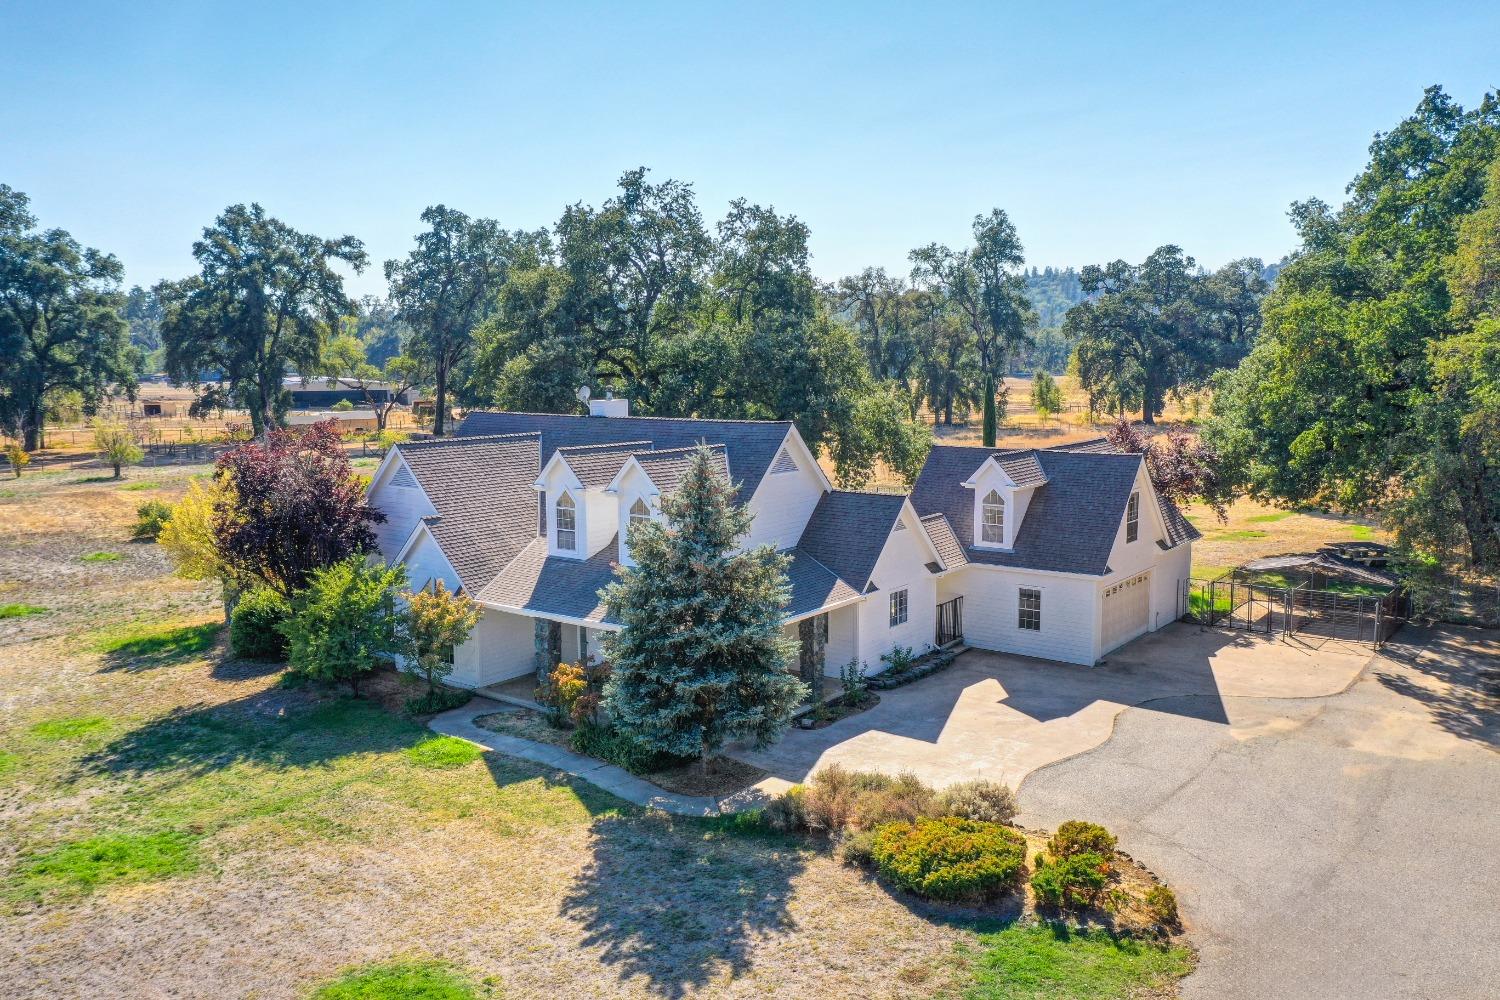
<point x="784" y="463"/>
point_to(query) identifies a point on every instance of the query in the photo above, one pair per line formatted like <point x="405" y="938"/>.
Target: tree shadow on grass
<point x="150" y="647"/>
<point x="680" y="903"/>
<point x="274" y="728"/>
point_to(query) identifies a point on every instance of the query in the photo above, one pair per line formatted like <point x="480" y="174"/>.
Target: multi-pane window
<point x="993" y="527"/>
<point x="1133" y="518"/>
<point x="567" y="524"/>
<point x="899" y="608"/>
<point x="1030" y="614"/>
<point x="639" y="512"/>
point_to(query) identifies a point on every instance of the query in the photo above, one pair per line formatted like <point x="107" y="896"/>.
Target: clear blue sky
<point x="1104" y="130"/>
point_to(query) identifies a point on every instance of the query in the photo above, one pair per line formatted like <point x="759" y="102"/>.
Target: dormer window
<point x="639" y="513"/>
<point x="992" y="527"/>
<point x="1133" y="518"/>
<point x="567" y="524"/>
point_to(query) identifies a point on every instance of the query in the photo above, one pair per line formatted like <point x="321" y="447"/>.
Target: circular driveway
<point x="1322" y="847"/>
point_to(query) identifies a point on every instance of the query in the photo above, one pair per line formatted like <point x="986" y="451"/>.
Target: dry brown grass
<point x="337" y="857"/>
<point x="1255" y="530"/>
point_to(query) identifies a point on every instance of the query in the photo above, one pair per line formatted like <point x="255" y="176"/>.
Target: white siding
<point x="403" y="507"/>
<point x="902" y="565"/>
<point x="1130" y="558"/>
<point x="633" y="486"/>
<point x="426" y="563"/>
<point x="783" y="502"/>
<point x="601" y="519"/>
<point x="1172" y="570"/>
<point x="843" y="639"/>
<point x="499" y="648"/>
<point x="991" y="605"/>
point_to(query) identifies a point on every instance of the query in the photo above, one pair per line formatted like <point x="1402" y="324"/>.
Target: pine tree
<point x="701" y="657"/>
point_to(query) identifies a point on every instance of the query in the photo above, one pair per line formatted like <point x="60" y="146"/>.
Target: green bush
<point x="986" y="801"/>
<point x="342" y="406"/>
<point x="609" y="744"/>
<point x="346" y="621"/>
<point x="438" y="699"/>
<point x="1078" y="837"/>
<point x="150" y="518"/>
<point x="858" y="849"/>
<point x="949" y="858"/>
<point x="255" y="627"/>
<point x="787" y="813"/>
<point x="1073" y="882"/>
<point x="1161" y="904"/>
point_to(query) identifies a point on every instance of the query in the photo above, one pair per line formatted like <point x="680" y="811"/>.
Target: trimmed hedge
<point x="949" y="858"/>
<point x="255" y="625"/>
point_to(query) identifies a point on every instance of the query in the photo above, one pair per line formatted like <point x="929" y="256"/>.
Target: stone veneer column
<point x="541" y="646"/>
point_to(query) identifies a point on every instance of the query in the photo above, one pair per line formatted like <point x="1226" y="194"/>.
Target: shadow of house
<point x="1457" y="679"/>
<point x="677" y="910"/>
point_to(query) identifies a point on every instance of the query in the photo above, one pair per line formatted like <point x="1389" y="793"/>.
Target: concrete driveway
<point x="998" y="716"/>
<point x="1333" y="847"/>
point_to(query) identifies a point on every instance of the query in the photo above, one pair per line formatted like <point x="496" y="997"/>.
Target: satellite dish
<point x="583" y="394"/>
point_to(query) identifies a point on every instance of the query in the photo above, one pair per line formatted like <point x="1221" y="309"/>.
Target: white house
<point x="1059" y="553"/>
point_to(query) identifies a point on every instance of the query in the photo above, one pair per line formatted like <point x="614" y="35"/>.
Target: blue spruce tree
<point x="701" y="658"/>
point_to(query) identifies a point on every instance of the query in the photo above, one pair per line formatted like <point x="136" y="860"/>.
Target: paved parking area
<point x="1332" y="847"/>
<point x="997" y="716"/>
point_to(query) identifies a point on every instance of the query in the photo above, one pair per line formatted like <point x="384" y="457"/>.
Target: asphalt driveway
<point x="1322" y="847"/>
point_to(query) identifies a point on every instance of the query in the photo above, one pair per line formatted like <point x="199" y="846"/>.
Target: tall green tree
<point x="1372" y="386"/>
<point x="345" y="362"/>
<point x="262" y="304"/>
<point x="701" y="658"/>
<point x="447" y="285"/>
<point x="1154" y="328"/>
<point x="60" y="325"/>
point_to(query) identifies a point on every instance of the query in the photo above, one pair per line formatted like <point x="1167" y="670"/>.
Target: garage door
<point x="1127" y="606"/>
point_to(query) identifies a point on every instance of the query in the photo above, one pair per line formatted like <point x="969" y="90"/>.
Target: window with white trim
<point x="567" y="524"/>
<point x="1029" y="610"/>
<point x="900" y="608"/>
<point x="639" y="511"/>
<point x="993" y="525"/>
<point x="1133" y="518"/>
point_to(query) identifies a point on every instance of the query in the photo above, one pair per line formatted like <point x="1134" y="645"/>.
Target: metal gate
<point x="950" y="621"/>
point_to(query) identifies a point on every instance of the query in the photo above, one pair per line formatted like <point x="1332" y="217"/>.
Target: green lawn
<point x="414" y="980"/>
<point x="1271" y="518"/>
<point x="1361" y="532"/>
<point x="1046" y="962"/>
<point x="157" y="644"/>
<point x="1237" y="535"/>
<point x="1198" y="603"/>
<point x="145" y="485"/>
<point x="20" y="610"/>
<point x="101" y="557"/>
<point x="79" y="866"/>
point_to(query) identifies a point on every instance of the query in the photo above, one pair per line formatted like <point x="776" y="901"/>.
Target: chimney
<point x="609" y="406"/>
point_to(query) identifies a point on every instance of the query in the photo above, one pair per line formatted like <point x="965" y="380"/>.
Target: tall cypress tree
<point x="989" y="411"/>
<point x="701" y="657"/>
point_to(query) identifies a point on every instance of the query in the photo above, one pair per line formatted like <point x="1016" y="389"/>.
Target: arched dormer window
<point x="639" y="512"/>
<point x="992" y="528"/>
<point x="567" y="524"/>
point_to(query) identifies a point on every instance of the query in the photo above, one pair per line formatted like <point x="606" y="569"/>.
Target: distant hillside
<point x="1053" y="291"/>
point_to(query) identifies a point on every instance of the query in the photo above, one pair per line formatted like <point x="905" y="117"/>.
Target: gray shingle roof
<point x="848" y="530"/>
<point x="486" y="506"/>
<point x="665" y="468"/>
<point x="1023" y="469"/>
<point x="1071" y="522"/>
<point x="597" y="464"/>
<point x="750" y="445"/>
<point x="1093" y="446"/>
<point x="814" y="585"/>
<point x="944" y="540"/>
<point x="1179" y="528"/>
<point x="555" y="586"/>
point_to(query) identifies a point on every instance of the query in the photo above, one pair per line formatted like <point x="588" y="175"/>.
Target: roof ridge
<point x="633" y="416"/>
<point x="685" y="447"/>
<point x="603" y="445"/>
<point x="470" y="439"/>
<point x="870" y="493"/>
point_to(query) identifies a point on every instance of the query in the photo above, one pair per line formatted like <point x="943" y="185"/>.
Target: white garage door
<point x="1127" y="606"/>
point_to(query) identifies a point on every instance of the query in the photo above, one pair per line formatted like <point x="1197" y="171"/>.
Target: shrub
<point x="342" y="406"/>
<point x="609" y="744"/>
<point x="1073" y="882"/>
<point x="899" y="660"/>
<point x="949" y="858"/>
<point x="858" y="849"/>
<point x="434" y="624"/>
<point x="574" y="691"/>
<point x="345" y="620"/>
<point x="986" y="801"/>
<point x="438" y="699"/>
<point x="852" y="677"/>
<point x="18" y="457"/>
<point x="1078" y="837"/>
<point x="255" y="627"/>
<point x="116" y="445"/>
<point x="787" y="813"/>
<point x="1161" y="904"/>
<point x="150" y="518"/>
<point x="837" y="800"/>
